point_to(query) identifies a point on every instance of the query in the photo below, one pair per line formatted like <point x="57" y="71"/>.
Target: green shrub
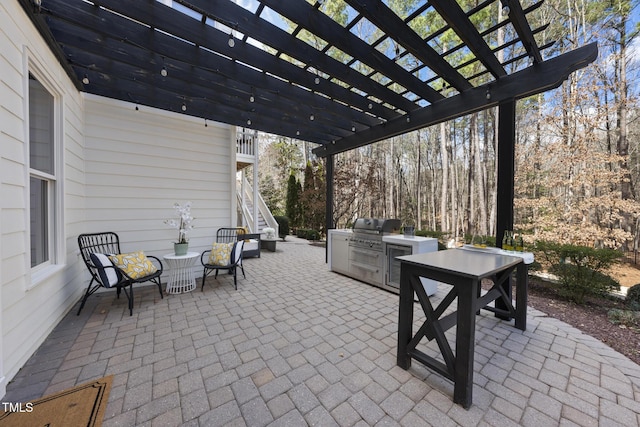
<point x="283" y="226"/>
<point x="550" y="253"/>
<point x="430" y="233"/>
<point x="624" y="317"/>
<point x="313" y="235"/>
<point x="306" y="233"/>
<point x="535" y="266"/>
<point x="633" y="297"/>
<point x="580" y="269"/>
<point x="577" y="282"/>
<point x="441" y="236"/>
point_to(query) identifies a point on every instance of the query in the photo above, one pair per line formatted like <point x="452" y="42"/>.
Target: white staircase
<point x="246" y="209"/>
<point x="246" y="156"/>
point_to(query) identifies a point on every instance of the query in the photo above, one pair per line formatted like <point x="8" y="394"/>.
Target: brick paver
<point x="297" y="344"/>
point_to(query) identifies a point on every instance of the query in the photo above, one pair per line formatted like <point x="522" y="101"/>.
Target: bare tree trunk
<point x="392" y="179"/>
<point x="480" y="184"/>
<point x="494" y="197"/>
<point x="455" y="205"/>
<point x="622" y="85"/>
<point x="471" y="179"/>
<point x="418" y="184"/>
<point x="445" y="177"/>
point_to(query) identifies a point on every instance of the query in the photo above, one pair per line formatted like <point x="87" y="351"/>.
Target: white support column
<point x="233" y="167"/>
<point x="243" y="194"/>
<point x="255" y="183"/>
<point x="3" y="382"/>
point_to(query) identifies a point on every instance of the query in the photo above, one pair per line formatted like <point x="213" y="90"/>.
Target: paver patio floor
<point x="299" y="345"/>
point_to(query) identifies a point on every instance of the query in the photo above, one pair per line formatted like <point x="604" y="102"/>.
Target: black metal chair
<point x="252" y="240"/>
<point x="234" y="261"/>
<point x="95" y="249"/>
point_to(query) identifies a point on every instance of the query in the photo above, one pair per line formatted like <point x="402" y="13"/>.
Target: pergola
<point x="338" y="73"/>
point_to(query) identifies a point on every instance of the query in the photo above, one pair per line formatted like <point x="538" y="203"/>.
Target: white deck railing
<point x="246" y="142"/>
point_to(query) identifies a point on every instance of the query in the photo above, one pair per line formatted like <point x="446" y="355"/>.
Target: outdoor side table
<point x="181" y="277"/>
<point x="464" y="270"/>
<point x="269" y="244"/>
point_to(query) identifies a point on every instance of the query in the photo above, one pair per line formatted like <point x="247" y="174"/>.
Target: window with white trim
<point x="42" y="173"/>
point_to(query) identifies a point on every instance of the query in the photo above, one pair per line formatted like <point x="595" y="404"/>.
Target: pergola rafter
<point x="366" y="76"/>
<point x="349" y="90"/>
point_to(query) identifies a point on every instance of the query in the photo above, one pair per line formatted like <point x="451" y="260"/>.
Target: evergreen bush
<point x="577" y="282"/>
<point x="283" y="226"/>
<point x="633" y="297"/>
<point x="293" y="206"/>
<point x="307" y="233"/>
<point x="580" y="269"/>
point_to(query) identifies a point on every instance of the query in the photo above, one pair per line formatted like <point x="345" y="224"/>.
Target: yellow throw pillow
<point x="134" y="264"/>
<point x="220" y="253"/>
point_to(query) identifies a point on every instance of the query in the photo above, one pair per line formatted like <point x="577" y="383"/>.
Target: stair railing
<point x="262" y="208"/>
<point x="246" y="212"/>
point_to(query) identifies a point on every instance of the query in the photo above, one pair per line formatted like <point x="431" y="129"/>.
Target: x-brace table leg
<point x="458" y="367"/>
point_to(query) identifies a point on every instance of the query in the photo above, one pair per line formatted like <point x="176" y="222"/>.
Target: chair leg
<point x="205" y="273"/>
<point x="159" y="283"/>
<point x="235" y="279"/>
<point x="129" y="295"/>
<point x="130" y="298"/>
<point x="84" y="298"/>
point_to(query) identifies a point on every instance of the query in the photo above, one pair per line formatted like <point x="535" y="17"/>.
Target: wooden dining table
<point x="464" y="270"/>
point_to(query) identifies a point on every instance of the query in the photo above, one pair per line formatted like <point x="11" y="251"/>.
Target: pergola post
<point x="506" y="168"/>
<point x="329" y="202"/>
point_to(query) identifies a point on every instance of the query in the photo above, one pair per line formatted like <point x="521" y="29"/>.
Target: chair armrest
<point x="157" y="261"/>
<point x="248" y="236"/>
<point x="202" y="257"/>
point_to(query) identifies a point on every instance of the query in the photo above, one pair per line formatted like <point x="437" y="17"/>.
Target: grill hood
<point x="377" y="225"/>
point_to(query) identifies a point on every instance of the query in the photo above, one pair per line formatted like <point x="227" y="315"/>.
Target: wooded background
<point x="577" y="148"/>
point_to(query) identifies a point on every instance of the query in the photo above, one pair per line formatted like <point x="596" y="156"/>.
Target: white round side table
<point x="181" y="277"/>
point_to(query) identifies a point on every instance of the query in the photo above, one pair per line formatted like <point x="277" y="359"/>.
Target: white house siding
<point x="31" y="306"/>
<point x="122" y="170"/>
<point x="140" y="162"/>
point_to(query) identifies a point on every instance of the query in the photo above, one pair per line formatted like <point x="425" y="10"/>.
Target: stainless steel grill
<point x="366" y="257"/>
<point x="368" y="232"/>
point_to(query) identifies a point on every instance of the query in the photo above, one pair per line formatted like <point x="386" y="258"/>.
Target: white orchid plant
<point x="183" y="223"/>
<point x="270" y="233"/>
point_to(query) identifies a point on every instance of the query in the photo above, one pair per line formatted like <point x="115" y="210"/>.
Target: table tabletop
<point x="188" y="255"/>
<point x="471" y="264"/>
<point x="527" y="257"/>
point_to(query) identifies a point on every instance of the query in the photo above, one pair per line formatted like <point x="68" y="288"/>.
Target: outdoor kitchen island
<point x="368" y="252"/>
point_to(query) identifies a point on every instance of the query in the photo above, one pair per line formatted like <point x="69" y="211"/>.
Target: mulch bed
<point x="591" y="318"/>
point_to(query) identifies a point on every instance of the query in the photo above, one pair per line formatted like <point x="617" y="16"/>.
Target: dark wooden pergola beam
<point x="173" y="22"/>
<point x="314" y="21"/>
<point x="214" y="82"/>
<point x="235" y="109"/>
<point x="451" y="11"/>
<point x="384" y="18"/>
<point x="103" y="21"/>
<point x="530" y="81"/>
<point x="276" y="38"/>
<point x="519" y="21"/>
<point x="196" y="107"/>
